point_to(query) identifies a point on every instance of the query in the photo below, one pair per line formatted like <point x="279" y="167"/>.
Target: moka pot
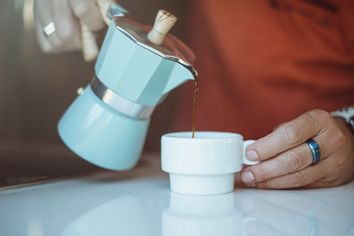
<point x="108" y="122"/>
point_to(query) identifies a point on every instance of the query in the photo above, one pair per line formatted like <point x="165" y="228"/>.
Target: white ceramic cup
<point x="205" y="164"/>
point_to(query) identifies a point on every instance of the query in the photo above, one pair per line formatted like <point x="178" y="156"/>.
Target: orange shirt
<point x="262" y="63"/>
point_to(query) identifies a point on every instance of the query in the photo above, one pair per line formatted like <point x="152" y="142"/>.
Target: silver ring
<point x="49" y="29"/>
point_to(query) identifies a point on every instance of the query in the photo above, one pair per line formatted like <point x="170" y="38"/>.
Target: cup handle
<point x="245" y="160"/>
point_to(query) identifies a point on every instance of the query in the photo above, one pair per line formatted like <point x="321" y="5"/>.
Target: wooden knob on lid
<point x="163" y="23"/>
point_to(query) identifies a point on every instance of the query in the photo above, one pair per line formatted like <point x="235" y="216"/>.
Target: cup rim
<point x="202" y="135"/>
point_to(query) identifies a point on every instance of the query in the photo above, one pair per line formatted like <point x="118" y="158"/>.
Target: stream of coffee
<point x="195" y="100"/>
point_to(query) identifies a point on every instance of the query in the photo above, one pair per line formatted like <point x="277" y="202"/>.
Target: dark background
<point x="36" y="88"/>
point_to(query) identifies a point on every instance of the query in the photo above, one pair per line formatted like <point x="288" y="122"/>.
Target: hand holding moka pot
<point x="135" y="69"/>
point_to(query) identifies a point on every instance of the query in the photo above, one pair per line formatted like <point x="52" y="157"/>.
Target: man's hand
<point x="66" y="16"/>
<point x="285" y="158"/>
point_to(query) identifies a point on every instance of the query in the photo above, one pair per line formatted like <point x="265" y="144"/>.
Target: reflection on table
<point x="139" y="202"/>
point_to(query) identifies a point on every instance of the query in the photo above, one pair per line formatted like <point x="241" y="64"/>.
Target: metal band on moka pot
<point x="119" y="103"/>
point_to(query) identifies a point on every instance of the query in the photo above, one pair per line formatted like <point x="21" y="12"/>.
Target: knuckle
<point x="295" y="160"/>
<point x="320" y="115"/>
<point x="296" y="180"/>
<point x="66" y="34"/>
<point x="80" y="8"/>
<point x="291" y="134"/>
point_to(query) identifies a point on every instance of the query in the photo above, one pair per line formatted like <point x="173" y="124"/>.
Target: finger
<point x="42" y="40"/>
<point x="287" y="162"/>
<point x="44" y="12"/>
<point x="287" y="136"/>
<point x="298" y="179"/>
<point x="67" y="26"/>
<point x="88" y="13"/>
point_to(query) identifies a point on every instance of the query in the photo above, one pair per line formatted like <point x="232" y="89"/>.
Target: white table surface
<point x="139" y="202"/>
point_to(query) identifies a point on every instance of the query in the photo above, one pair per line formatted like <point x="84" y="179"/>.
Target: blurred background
<point x="36" y="88"/>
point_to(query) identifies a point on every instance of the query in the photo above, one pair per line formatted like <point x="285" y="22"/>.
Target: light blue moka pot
<point x="107" y="123"/>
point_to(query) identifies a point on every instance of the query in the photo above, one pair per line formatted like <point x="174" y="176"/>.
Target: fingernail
<point x="252" y="155"/>
<point x="248" y="178"/>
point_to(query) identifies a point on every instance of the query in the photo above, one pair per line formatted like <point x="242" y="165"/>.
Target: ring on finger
<point x="49" y="29"/>
<point x="315" y="150"/>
